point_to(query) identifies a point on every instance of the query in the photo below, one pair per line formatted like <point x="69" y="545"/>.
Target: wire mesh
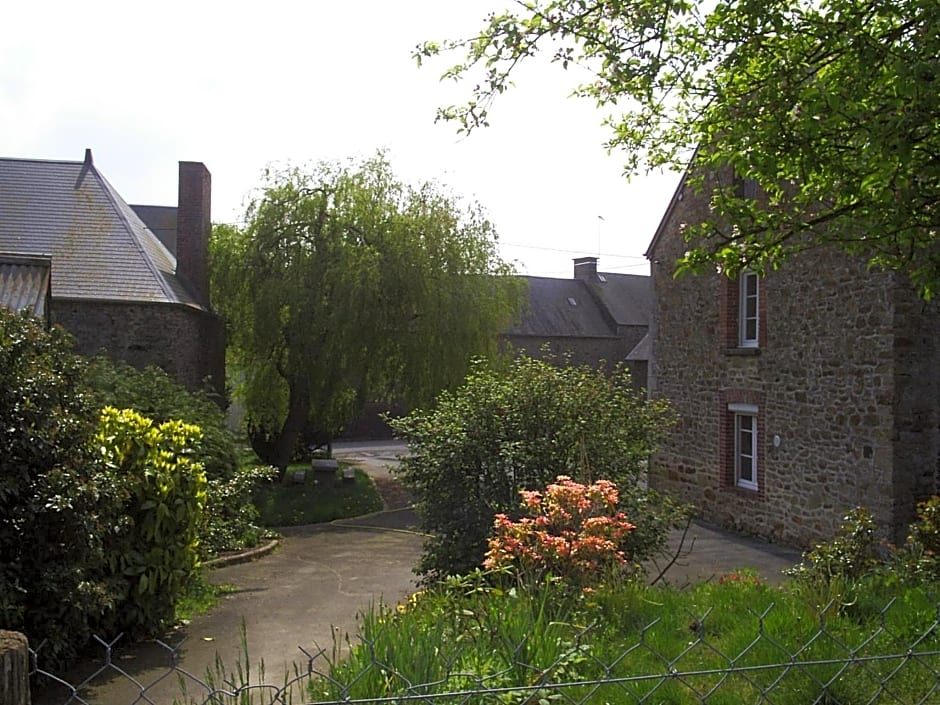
<point x="888" y="663"/>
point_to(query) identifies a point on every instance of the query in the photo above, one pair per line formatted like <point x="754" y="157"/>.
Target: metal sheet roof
<point x="100" y="248"/>
<point x="24" y="283"/>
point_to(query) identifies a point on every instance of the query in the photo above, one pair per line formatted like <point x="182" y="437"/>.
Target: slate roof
<point x="100" y="248"/>
<point x="550" y="313"/>
<point x="612" y="300"/>
<point x="24" y="283"/>
<point x="162" y="222"/>
<point x="625" y="296"/>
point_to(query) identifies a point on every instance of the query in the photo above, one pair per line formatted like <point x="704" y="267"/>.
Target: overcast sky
<point x="238" y="87"/>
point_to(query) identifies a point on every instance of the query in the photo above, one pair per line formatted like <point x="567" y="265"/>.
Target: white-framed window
<point x="748" y="315"/>
<point x="745" y="445"/>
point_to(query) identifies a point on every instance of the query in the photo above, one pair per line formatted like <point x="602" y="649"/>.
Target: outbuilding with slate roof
<point x="110" y="281"/>
<point x="594" y="317"/>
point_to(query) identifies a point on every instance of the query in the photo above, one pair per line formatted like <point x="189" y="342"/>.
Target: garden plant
<point x="495" y="635"/>
<point x="518" y="428"/>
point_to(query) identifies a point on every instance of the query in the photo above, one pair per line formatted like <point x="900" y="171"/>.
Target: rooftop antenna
<point x="600" y="219"/>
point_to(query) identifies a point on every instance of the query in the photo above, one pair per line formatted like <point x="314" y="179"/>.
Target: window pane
<point x="750" y="285"/>
<point x="745" y="461"/>
<point x="747" y="469"/>
<point x="750" y="307"/>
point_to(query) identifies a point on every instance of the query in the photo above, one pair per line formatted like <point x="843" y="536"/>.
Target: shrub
<point x="229" y="517"/>
<point x="503" y="432"/>
<point x="830" y="571"/>
<point x="918" y="560"/>
<point x="151" y="549"/>
<point x="573" y="532"/>
<point x="152" y="393"/>
<point x="51" y="500"/>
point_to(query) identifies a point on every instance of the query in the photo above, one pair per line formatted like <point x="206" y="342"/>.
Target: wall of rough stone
<point x="916" y="408"/>
<point x="585" y="351"/>
<point x="186" y="343"/>
<point x="830" y="382"/>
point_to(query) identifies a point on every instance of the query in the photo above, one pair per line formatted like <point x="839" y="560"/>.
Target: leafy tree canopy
<point x="830" y="106"/>
<point x="347" y="285"/>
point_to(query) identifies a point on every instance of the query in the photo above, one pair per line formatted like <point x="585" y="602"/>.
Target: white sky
<point x="239" y="86"/>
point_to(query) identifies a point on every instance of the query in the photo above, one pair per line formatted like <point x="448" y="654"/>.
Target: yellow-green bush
<point x="152" y="549"/>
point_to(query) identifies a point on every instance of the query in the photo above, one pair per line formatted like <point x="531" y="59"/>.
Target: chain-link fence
<point x="887" y="663"/>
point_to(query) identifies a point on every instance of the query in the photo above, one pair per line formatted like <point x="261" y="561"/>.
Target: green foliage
<point x="152" y="393"/>
<point x="51" y="500"/>
<point x="829" y="574"/>
<point x="456" y="635"/>
<point x="830" y="107"/>
<point x="229" y="517"/>
<point x="98" y="517"/>
<point x="347" y="285"/>
<point x="281" y="504"/>
<point x="731" y="643"/>
<point x="854" y="572"/>
<point x="502" y="432"/>
<point x="152" y="548"/>
<point x="918" y="560"/>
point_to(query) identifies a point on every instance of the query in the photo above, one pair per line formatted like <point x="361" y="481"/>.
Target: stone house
<point x="69" y="241"/>
<point x="593" y="317"/>
<point x="801" y="394"/>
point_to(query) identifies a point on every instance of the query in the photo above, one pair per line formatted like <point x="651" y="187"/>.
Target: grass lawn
<point x="314" y="500"/>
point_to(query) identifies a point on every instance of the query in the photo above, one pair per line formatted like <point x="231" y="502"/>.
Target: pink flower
<point x="572" y="531"/>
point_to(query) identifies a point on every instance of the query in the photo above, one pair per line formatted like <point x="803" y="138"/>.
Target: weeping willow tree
<point x="346" y="285"/>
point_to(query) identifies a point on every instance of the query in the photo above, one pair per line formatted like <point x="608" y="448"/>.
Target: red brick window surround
<point x="743" y="313"/>
<point x="742" y="439"/>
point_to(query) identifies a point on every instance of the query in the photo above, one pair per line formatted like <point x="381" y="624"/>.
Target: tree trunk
<point x="298" y="411"/>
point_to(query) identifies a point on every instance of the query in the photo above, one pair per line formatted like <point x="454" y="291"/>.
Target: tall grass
<point x="722" y="644"/>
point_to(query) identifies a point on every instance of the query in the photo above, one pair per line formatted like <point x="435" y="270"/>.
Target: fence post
<point x="14" y="668"/>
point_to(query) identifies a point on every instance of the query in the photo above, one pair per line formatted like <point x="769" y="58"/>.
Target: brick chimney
<point x="585" y="268"/>
<point x="192" y="228"/>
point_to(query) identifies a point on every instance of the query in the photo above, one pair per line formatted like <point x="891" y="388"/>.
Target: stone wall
<point x="586" y="351"/>
<point x="831" y="385"/>
<point x="187" y="343"/>
<point x="916" y="408"/>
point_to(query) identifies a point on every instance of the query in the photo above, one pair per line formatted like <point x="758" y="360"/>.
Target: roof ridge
<point x="41" y="161"/>
<point x="114" y="198"/>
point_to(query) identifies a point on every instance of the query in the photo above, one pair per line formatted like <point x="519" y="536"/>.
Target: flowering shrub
<point x="573" y="532"/>
<point x="515" y="427"/>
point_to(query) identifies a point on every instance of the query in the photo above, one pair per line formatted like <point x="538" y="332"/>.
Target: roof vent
<point x="572" y="301"/>
<point x="602" y="279"/>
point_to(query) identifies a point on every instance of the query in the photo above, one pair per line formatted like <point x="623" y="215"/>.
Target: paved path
<point x="313" y="586"/>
